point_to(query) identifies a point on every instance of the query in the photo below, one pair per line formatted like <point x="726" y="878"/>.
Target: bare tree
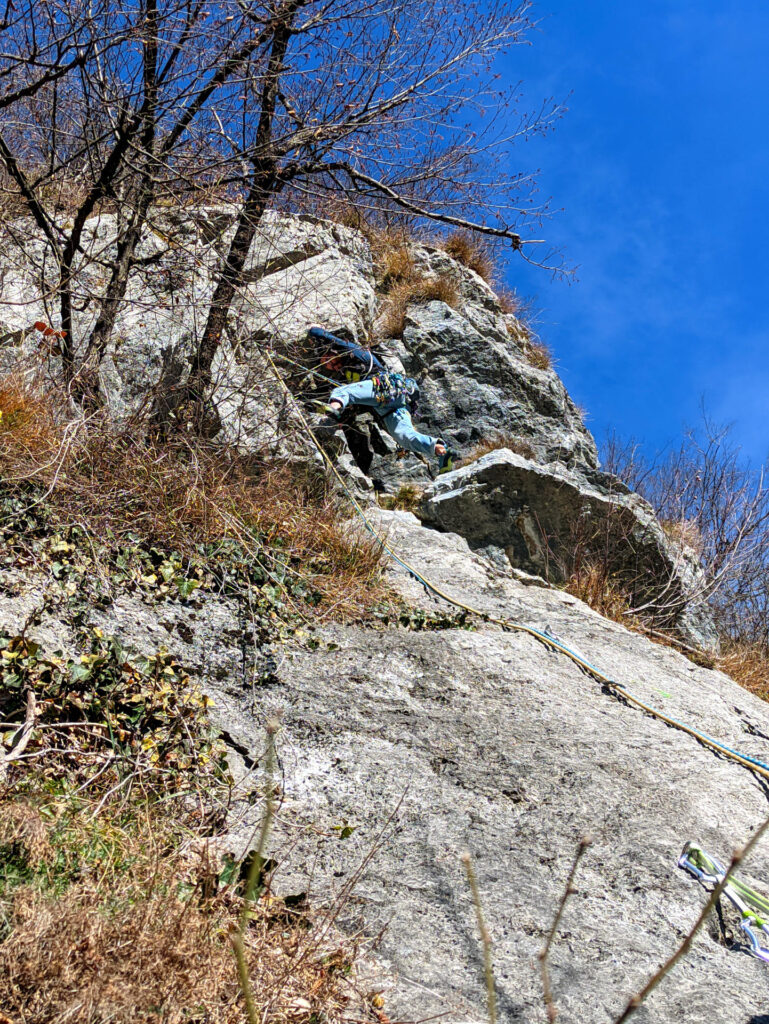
<point x="268" y="101"/>
<point x="363" y="98"/>
<point x="709" y="497"/>
<point x="112" y="131"/>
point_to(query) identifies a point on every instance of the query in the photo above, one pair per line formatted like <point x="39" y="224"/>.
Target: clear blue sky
<point x="661" y="166"/>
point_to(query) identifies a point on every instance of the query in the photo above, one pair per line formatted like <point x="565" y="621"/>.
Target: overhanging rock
<point x="546" y="519"/>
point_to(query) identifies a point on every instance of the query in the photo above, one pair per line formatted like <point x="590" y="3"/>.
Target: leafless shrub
<point x="722" y="507"/>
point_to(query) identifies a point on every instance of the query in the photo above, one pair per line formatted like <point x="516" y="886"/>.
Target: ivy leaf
<point x="187" y="587"/>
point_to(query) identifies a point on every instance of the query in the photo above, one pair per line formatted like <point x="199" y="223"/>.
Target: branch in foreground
<point x="552" y="1011"/>
<point x="491" y="998"/>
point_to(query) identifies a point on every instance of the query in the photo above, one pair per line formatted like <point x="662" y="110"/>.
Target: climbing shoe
<point x="446" y="461"/>
<point x="329" y="410"/>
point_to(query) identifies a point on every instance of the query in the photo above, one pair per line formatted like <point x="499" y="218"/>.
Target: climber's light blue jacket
<point x="395" y="416"/>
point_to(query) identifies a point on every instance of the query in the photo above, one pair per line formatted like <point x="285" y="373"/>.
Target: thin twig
<point x="552" y="1011"/>
<point x="488" y="967"/>
<point x="739" y="855"/>
<point x="254" y="875"/>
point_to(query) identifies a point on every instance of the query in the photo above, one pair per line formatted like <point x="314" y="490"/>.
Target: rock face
<point x="537" y="516"/>
<point x="430" y="744"/>
<point x="476" y="381"/>
<point x="402" y="749"/>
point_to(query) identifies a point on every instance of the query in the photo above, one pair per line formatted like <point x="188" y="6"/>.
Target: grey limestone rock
<point x="476" y="382"/>
<point x="535" y="516"/>
<point x="400" y="749"/>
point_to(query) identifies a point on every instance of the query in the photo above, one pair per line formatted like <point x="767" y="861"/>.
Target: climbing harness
<point x="394" y="389"/>
<point x="752" y="907"/>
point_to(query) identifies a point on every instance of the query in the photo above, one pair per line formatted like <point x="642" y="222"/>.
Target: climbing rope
<point x="752" y="907"/>
<point x="547" y="638"/>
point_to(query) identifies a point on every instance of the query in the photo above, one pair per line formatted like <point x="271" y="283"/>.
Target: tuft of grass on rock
<point x="415" y="290"/>
<point x="518" y="445"/>
<point x="407" y="498"/>
<point x="537" y="354"/>
<point x="472" y="252"/>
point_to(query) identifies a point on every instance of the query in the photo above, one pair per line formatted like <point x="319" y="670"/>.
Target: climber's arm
<point x="368" y="361"/>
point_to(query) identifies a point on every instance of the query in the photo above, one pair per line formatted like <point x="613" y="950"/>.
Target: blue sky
<point x="661" y="166"/>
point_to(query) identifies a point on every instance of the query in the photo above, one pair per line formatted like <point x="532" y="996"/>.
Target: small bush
<point x="518" y="445"/>
<point x="415" y="290"/>
<point x="472" y="252"/>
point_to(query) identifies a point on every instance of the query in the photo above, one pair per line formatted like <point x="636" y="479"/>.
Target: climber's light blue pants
<point x="395" y="416"/>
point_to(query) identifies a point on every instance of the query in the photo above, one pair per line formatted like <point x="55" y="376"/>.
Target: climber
<point x="392" y="396"/>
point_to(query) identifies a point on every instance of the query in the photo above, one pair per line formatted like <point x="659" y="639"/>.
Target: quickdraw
<point x="392" y="388"/>
<point x="751" y="905"/>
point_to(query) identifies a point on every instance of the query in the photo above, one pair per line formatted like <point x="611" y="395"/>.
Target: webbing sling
<point x="752" y="906"/>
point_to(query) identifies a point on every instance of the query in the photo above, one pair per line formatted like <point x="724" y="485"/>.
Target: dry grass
<point x="182" y="493"/>
<point x="518" y="445"/>
<point x="401" y="282"/>
<point x="592" y="585"/>
<point x="472" y="252"/>
<point x="510" y="303"/>
<point x="747" y="664"/>
<point x="415" y="290"/>
<point x="391" y="250"/>
<point x="685" y="533"/>
<point x="538" y="354"/>
<point x="407" y="498"/>
<point x="156" y="946"/>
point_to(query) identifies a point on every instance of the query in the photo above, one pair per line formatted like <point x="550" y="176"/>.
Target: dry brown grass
<point x="31" y="430"/>
<point x="472" y="252"/>
<point x="391" y="250"/>
<point x="511" y="303"/>
<point x="747" y="664"/>
<point x="592" y="585"/>
<point x="182" y="493"/>
<point x="519" y="445"/>
<point x="156" y="946"/>
<point x="538" y="354"/>
<point x="415" y="290"/>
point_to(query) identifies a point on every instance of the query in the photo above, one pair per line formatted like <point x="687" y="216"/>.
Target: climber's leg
<point x="399" y="425"/>
<point x="360" y="393"/>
